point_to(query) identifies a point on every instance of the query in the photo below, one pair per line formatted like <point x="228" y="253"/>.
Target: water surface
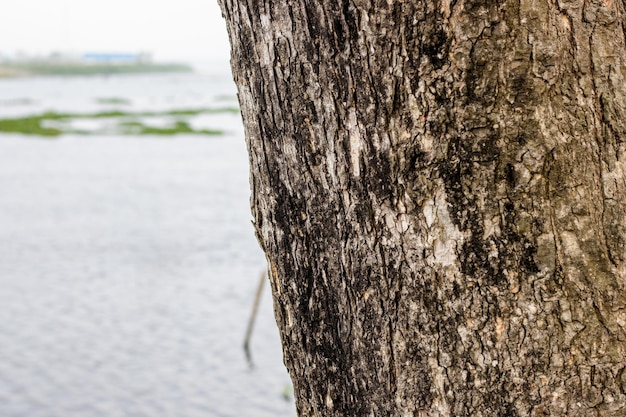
<point x="128" y="264"/>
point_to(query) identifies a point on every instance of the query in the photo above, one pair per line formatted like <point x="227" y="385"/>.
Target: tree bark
<point x="440" y="189"/>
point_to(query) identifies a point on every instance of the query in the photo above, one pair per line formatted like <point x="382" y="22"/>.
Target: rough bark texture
<point x="440" y="189"/>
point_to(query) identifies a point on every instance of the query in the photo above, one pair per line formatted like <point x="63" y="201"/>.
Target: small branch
<point x="255" y="307"/>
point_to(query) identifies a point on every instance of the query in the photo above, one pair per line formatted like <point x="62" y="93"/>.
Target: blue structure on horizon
<point x="118" y="58"/>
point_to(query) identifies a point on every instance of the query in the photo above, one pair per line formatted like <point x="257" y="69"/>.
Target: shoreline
<point x="34" y="69"/>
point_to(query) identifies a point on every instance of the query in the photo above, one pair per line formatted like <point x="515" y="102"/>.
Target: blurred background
<point x="128" y="263"/>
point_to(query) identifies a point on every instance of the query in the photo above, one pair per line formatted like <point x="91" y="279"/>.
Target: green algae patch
<point x="51" y="124"/>
<point x="179" y="127"/>
<point x="101" y="115"/>
<point x="225" y="97"/>
<point x="118" y="101"/>
<point x="29" y="126"/>
<point x="71" y="69"/>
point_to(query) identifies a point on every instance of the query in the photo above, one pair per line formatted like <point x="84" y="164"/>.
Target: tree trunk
<point x="440" y="189"/>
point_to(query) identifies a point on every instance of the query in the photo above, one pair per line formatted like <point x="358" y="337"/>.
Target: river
<point x="128" y="265"/>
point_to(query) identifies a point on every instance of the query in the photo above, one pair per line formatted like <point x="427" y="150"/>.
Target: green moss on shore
<point x="69" y="69"/>
<point x="127" y="122"/>
<point x="179" y="127"/>
<point x="28" y="126"/>
<point x="113" y="100"/>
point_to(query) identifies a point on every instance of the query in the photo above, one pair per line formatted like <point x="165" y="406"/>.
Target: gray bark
<point x="440" y="190"/>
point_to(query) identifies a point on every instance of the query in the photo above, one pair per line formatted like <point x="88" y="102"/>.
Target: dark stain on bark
<point x="509" y="172"/>
<point x="521" y="85"/>
<point x="382" y="186"/>
<point x="452" y="171"/>
<point x="512" y="248"/>
<point x="339" y="33"/>
<point x="475" y="261"/>
<point x="449" y="335"/>
<point x="423" y="395"/>
<point x="480" y="89"/>
<point x="313" y="26"/>
<point x="435" y="47"/>
<point x="352" y="21"/>
<point x="497" y="398"/>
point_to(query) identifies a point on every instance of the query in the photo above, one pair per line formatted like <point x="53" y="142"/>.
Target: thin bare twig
<point x="255" y="307"/>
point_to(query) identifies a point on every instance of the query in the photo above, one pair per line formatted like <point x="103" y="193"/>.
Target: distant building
<point x="116" y="58"/>
<point x="78" y="58"/>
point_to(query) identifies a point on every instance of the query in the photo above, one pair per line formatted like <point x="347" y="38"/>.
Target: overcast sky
<point x="191" y="30"/>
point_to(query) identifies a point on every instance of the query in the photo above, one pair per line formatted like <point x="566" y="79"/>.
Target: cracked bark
<point x="440" y="190"/>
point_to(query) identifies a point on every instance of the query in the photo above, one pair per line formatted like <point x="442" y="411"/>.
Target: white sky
<point x="190" y="30"/>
